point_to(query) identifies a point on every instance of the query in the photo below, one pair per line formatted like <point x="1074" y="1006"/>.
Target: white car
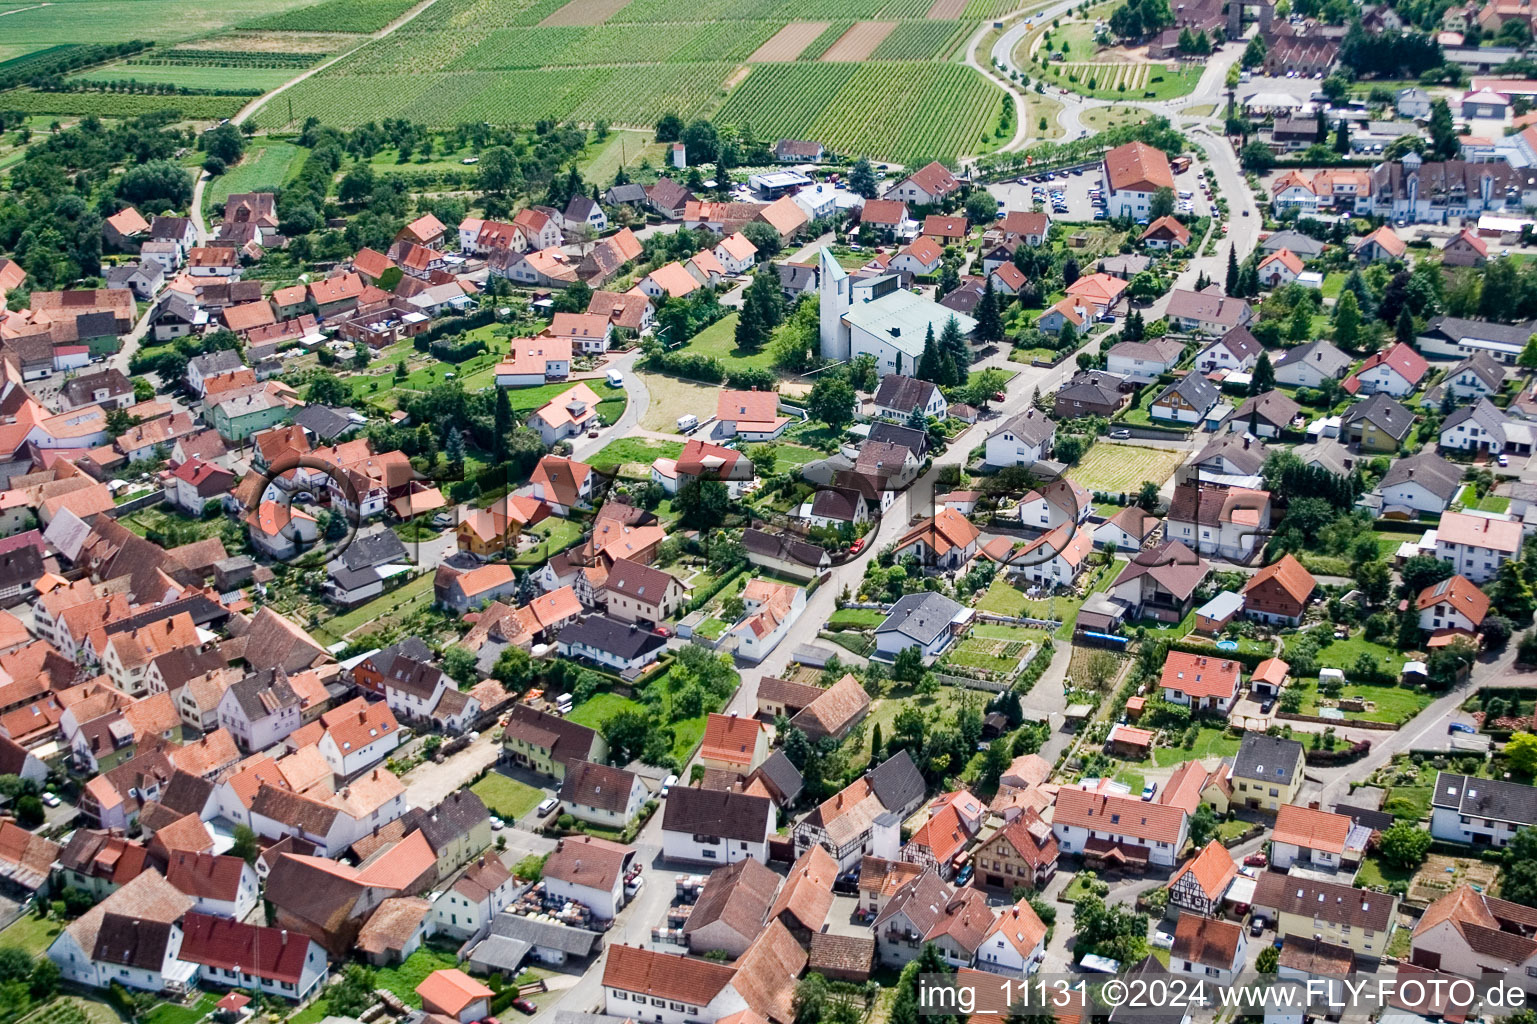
<point x="546" y="806"/>
<point x="1163" y="939"/>
<point x="51" y="799"/>
<point x="497" y="824"/>
<point x="668" y="783"/>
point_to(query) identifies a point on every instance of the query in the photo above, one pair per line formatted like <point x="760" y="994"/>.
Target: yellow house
<point x="546" y="743"/>
<point x="458" y="829"/>
<point x="1378" y="424"/>
<point x="1362" y="920"/>
<point x="490" y="531"/>
<point x="1267" y="773"/>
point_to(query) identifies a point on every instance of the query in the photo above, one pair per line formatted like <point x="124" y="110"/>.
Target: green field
<point x="599" y="708"/>
<point x="112" y="21"/>
<point x="335" y="16"/>
<point x="635" y="449"/>
<point x="1210" y="742"/>
<point x="719" y="341"/>
<point x="266" y="162"/>
<point x="493" y="60"/>
<point x="109" y="104"/>
<point x="32" y="933"/>
<point x="213" y="77"/>
<point x="506" y="797"/>
<point x="1120" y="469"/>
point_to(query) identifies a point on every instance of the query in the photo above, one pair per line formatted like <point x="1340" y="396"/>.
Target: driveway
<point x="428" y="783"/>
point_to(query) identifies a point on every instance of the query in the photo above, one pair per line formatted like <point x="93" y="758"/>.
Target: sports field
<point x="849" y="73"/>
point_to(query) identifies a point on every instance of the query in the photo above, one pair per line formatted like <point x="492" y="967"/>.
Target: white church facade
<point x="878" y="316"/>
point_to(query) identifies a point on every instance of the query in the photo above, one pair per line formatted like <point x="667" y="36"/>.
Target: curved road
<point x="256" y="104"/>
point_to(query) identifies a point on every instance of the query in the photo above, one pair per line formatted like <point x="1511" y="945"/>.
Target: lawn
<point x="1102" y="118"/>
<point x="1410" y="802"/>
<point x="1343" y="654"/>
<point x="1003" y="598"/>
<point x="790" y="457"/>
<point x="634" y="449"/>
<point x="559" y="534"/>
<point x="719" y="341"/>
<point x="1133" y="781"/>
<point x="170" y="1013"/>
<point x="1469" y="498"/>
<point x="1120" y="469"/>
<point x="621" y="149"/>
<point x="1228" y="830"/>
<point x="599" y="708"/>
<point x="1376" y="873"/>
<point x="1210" y="742"/>
<point x="266" y="162"/>
<point x="402" y="979"/>
<point x="856" y="618"/>
<point x="1394" y="704"/>
<point x="505" y="797"/>
<point x="173" y="528"/>
<point x="32" y="933"/>
<point x="883" y="712"/>
<point x="711" y="628"/>
<point x="672" y="398"/>
<point x="417" y="592"/>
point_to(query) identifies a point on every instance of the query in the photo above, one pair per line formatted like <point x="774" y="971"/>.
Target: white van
<point x="615" y="379"/>
<point x="688" y="423"/>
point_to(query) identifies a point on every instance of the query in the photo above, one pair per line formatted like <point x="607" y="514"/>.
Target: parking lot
<point x="1069" y="196"/>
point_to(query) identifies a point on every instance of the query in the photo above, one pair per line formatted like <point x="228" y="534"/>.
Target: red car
<point x="662" y="631"/>
<point x="998" y="396"/>
<point x="857" y="546"/>
<point x="1255" y="860"/>
<point x="525" y="1006"/>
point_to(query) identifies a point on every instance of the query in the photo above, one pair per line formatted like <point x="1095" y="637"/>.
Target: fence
<point x="993" y="685"/>
<point x="135" y="504"/>
<point x="1013" y="620"/>
<point x="1338" y="723"/>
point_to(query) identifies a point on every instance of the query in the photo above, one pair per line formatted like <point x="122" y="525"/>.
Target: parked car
<point x="1453" y="727"/>
<point x="52" y="799"/>
<point x="1256" y="860"/>
<point x="497" y="824"/>
<point x="1149" y="790"/>
<point x="525" y="1006"/>
<point x="547" y="805"/>
<point x="668" y="783"/>
<point x="1163" y="939"/>
<point x="662" y="631"/>
<point x="1256" y="925"/>
<point x="1120" y="435"/>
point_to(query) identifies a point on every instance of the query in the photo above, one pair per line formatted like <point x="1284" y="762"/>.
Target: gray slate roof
<point x="1389" y="416"/>
<point x="1428" y="469"/>
<point x="1193" y="388"/>
<point x="377" y="548"/>
<point x="1486" y="798"/>
<point x="1328" y="359"/>
<point x="897" y="783"/>
<point x="923" y="617"/>
<point x="572" y="941"/>
<point x="1272" y="758"/>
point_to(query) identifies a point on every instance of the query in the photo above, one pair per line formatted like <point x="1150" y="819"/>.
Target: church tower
<point x="836" y="296"/>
